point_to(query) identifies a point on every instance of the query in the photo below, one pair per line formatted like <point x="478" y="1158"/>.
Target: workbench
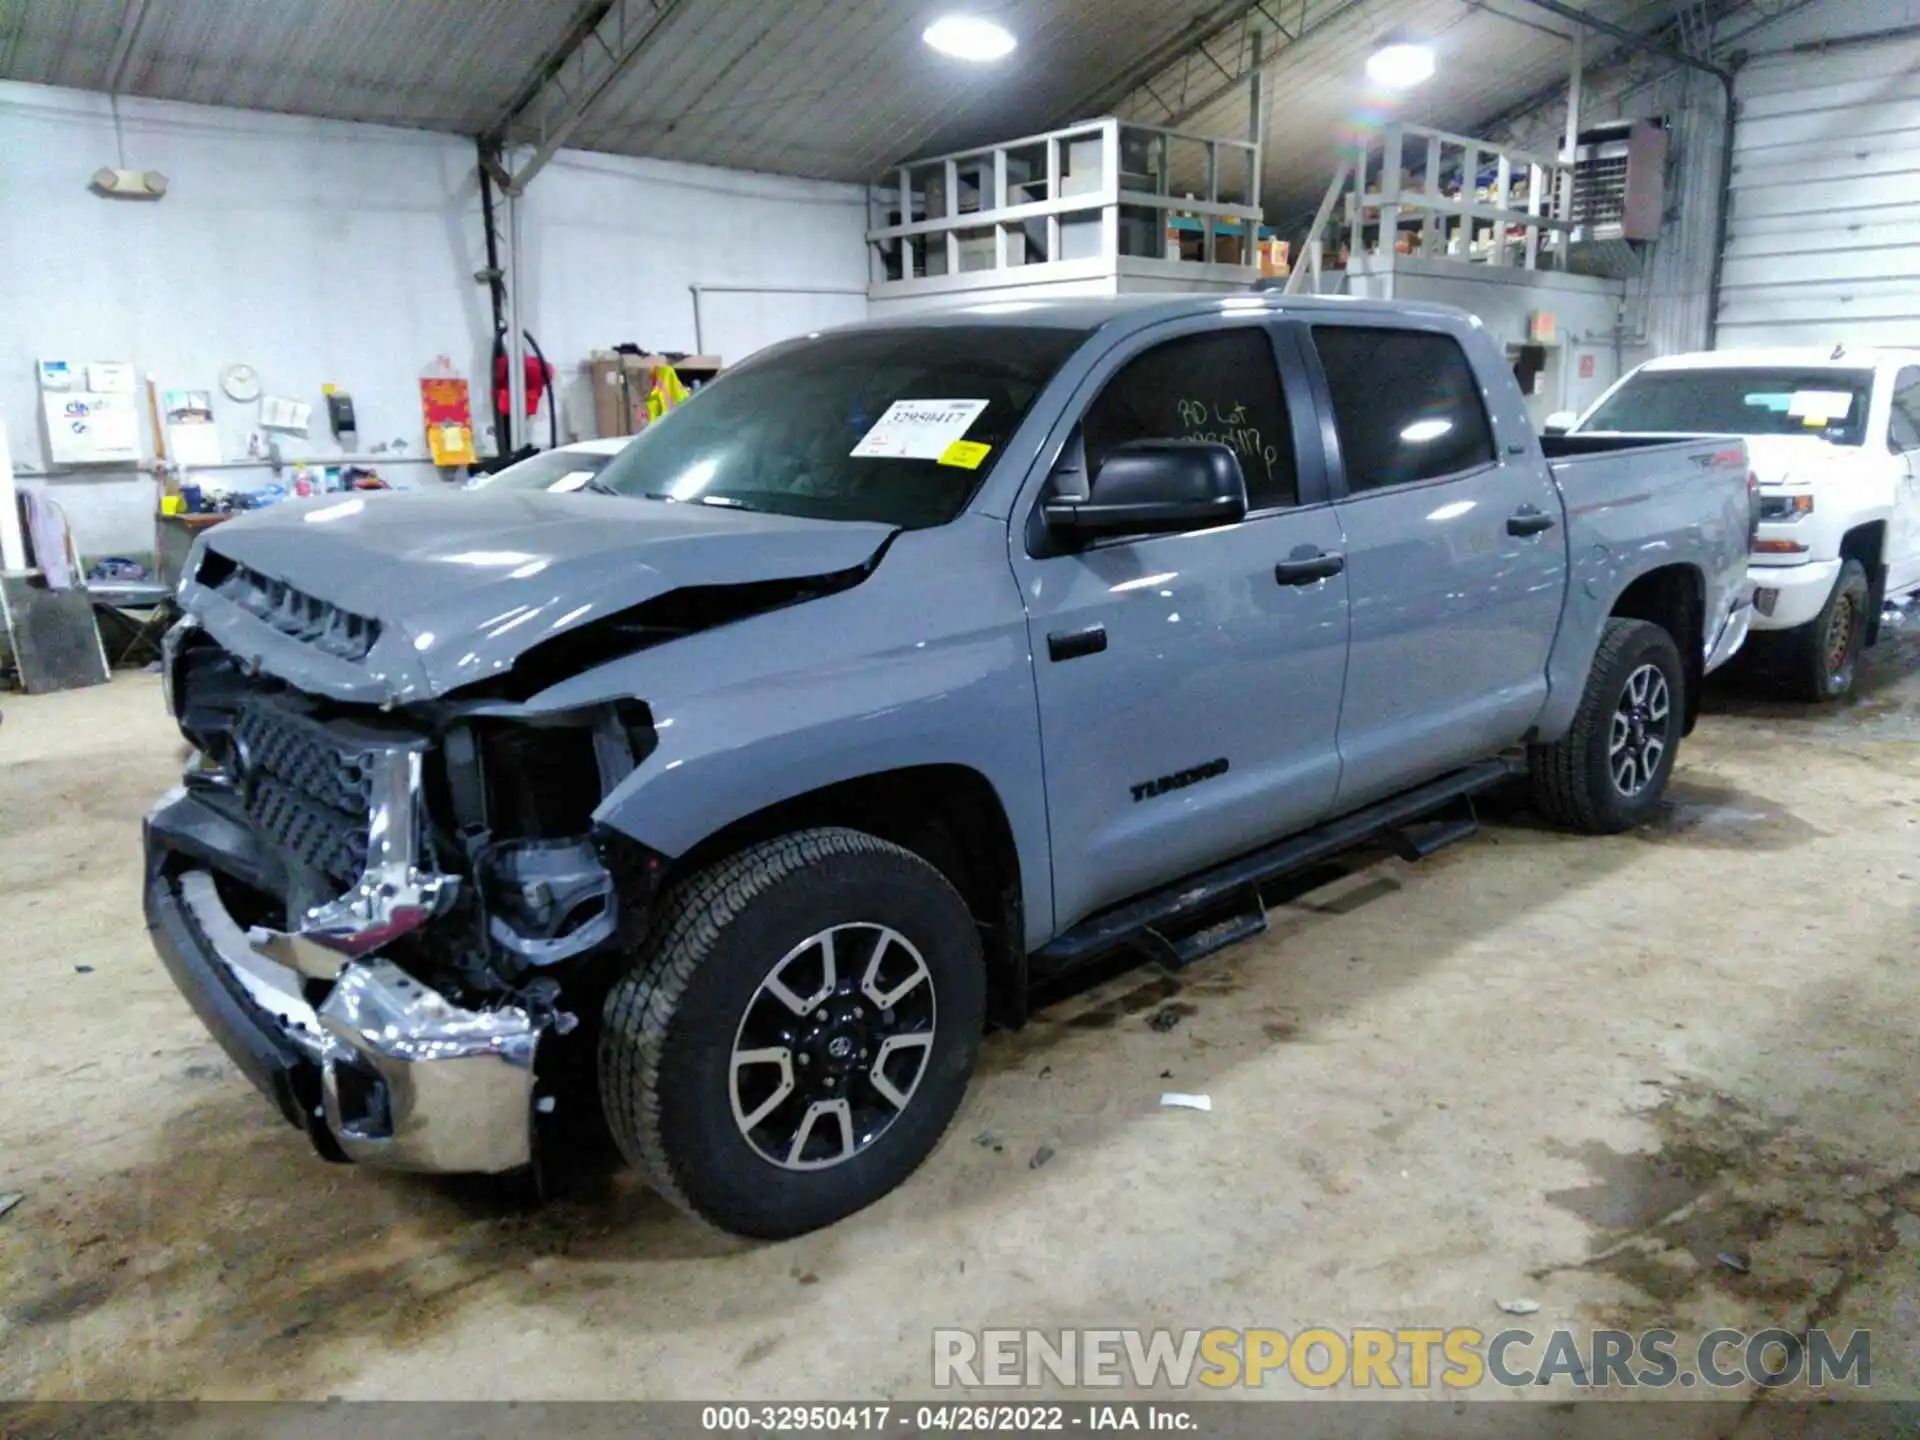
<point x="173" y="542"/>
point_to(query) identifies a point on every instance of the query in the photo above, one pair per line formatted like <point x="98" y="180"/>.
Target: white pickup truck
<point x="1835" y="440"/>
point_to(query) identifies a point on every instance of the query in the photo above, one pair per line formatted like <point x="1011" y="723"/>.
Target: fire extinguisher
<point x="539" y="386"/>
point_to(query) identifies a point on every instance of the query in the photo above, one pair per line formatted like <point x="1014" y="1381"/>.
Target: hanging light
<point x="1400" y="65"/>
<point x="968" y="37"/>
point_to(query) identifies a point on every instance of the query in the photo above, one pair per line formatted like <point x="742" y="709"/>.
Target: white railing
<point x="1080" y="197"/>
<point x="1470" y="200"/>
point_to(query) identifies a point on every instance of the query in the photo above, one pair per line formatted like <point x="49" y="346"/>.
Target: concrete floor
<point x="1493" y="1075"/>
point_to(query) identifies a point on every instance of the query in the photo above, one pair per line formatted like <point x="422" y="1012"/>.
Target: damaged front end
<point x="394" y="920"/>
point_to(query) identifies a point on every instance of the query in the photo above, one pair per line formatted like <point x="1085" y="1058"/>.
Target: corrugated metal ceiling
<point x="430" y="64"/>
<point x="842" y="88"/>
<point x="833" y="89"/>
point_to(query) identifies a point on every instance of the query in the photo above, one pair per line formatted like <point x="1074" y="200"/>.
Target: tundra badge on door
<point x="1179" y="780"/>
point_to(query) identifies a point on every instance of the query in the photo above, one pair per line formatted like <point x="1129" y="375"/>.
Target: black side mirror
<point x="1153" y="486"/>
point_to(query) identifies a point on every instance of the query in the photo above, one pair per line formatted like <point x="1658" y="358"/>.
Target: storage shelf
<point x="1225" y="227"/>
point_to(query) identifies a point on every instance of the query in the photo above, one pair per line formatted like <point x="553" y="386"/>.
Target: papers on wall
<point x="279" y="413"/>
<point x="110" y="377"/>
<point x="919" y="429"/>
<point x="187" y="407"/>
<point x="192" y="438"/>
<point x="88" y="429"/>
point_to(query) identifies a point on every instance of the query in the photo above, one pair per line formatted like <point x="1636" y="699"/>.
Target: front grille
<point x="306" y="790"/>
<point x="324" y="839"/>
<point x="307" y="618"/>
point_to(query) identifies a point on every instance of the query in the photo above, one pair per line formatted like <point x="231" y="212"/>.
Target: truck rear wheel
<point x="1611" y="769"/>
<point x="1816" y="661"/>
<point x="796" y="1033"/>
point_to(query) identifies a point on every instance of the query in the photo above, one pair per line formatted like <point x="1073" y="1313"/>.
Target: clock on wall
<point x="241" y="382"/>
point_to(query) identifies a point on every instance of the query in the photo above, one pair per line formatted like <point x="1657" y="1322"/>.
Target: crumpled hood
<point x="1798" y="459"/>
<point x="462" y="583"/>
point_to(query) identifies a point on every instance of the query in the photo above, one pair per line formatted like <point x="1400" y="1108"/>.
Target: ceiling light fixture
<point x="968" y="37"/>
<point x="1400" y="65"/>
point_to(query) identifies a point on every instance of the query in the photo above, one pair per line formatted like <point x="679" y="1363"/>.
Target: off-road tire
<point x="1572" y="780"/>
<point x="1814" y="663"/>
<point x="671" y="1020"/>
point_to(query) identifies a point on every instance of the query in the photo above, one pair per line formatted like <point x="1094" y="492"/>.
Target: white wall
<point x="1824" y="242"/>
<point x="321" y="252"/>
<point x="612" y="246"/>
<point x="1832" y="20"/>
<point x="314" y="252"/>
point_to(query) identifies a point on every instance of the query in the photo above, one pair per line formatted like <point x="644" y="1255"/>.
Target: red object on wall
<point x="1586" y="367"/>
<point x="538" y="373"/>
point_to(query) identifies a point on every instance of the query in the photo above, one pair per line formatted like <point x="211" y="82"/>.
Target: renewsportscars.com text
<point x="1461" y="1358"/>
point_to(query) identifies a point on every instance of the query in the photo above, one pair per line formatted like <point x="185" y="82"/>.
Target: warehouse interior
<point x="263" y="263"/>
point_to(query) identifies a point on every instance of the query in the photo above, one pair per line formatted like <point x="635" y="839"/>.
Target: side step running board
<point x="1415" y="824"/>
<point x="1178" y="953"/>
<point x="1422" y="838"/>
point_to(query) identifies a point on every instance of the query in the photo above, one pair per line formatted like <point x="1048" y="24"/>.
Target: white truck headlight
<point x="1785" y="509"/>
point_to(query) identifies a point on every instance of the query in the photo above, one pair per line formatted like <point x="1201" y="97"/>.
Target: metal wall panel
<point x="1824" y="244"/>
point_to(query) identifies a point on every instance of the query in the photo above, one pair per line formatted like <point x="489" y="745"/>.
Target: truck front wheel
<point x="796" y="1033"/>
<point x="1816" y="661"/>
<point x="1610" y="771"/>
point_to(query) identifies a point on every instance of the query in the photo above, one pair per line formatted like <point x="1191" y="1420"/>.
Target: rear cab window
<point x="1406" y="405"/>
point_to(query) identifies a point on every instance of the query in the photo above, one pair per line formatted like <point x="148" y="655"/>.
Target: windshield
<point x="560" y="470"/>
<point x="898" y="426"/>
<point x="1829" y="403"/>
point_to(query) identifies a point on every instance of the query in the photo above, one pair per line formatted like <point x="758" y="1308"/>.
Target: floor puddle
<point x="1714" y="815"/>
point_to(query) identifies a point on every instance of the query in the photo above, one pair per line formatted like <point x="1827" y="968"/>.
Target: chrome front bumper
<point x="383" y="1070"/>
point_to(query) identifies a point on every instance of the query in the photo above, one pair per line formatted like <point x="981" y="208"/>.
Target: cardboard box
<point x="632" y="380"/>
<point x="609" y="398"/>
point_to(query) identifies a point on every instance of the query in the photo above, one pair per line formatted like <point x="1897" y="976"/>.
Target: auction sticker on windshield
<point x="1819" y="407"/>
<point x="967" y="454"/>
<point x="919" y="429"/>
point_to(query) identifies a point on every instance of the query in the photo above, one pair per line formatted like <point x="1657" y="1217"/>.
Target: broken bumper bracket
<point x="383" y="1070"/>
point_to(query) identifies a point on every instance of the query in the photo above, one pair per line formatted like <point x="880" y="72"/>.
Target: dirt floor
<point x="1662" y="1079"/>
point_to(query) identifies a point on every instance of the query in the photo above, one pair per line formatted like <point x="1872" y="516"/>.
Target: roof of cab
<point x="1091" y="312"/>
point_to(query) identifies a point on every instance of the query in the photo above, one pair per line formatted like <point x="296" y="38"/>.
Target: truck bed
<point x="1573" y="447"/>
<point x="1628" y="495"/>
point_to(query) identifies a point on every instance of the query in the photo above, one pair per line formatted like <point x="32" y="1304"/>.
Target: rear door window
<point x="1406" y="404"/>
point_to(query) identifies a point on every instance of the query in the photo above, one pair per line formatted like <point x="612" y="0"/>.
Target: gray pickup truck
<point x="721" y="804"/>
